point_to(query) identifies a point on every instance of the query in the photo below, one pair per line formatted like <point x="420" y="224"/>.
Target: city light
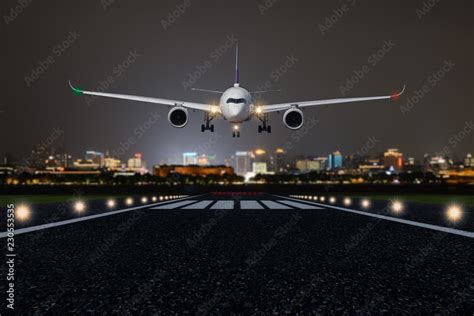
<point x="332" y="200"/>
<point x="79" y="207"/>
<point x="23" y="212"/>
<point x="365" y="203"/>
<point x="396" y="207"/>
<point x="347" y="201"/>
<point x="454" y="213"/>
<point x="144" y="199"/>
<point x="129" y="201"/>
<point x="111" y="203"/>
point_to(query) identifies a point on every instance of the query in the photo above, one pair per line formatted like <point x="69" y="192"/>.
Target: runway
<point x="243" y="252"/>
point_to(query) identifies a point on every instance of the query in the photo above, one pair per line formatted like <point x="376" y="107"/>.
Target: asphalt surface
<point x="246" y="253"/>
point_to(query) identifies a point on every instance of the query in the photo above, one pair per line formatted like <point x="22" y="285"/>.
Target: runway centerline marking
<point x="394" y="219"/>
<point x="82" y="219"/>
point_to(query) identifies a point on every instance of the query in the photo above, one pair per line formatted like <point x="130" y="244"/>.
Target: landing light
<point x="236" y="127"/>
<point x="258" y="110"/>
<point x="214" y="109"/>
<point x="454" y="213"/>
<point x="23" y="212"/>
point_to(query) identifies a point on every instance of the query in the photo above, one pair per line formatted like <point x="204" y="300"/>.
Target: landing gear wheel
<point x="203" y="128"/>
<point x="238" y="134"/>
<point x="212" y="128"/>
<point x="259" y="128"/>
<point x="269" y="129"/>
<point x="233" y="134"/>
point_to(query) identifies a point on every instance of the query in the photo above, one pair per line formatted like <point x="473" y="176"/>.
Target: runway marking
<point x="275" y="206"/>
<point x="80" y="219"/>
<point x="250" y="205"/>
<point x="200" y="205"/>
<point x="223" y="205"/>
<point x="397" y="220"/>
<point x="300" y="205"/>
<point x="173" y="205"/>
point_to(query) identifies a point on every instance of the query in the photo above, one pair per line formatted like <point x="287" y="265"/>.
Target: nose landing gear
<point x="236" y="131"/>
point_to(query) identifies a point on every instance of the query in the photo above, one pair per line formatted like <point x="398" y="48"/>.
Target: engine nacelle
<point x="178" y="117"/>
<point x="293" y="118"/>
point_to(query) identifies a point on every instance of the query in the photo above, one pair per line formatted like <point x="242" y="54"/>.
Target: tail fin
<point x="236" y="75"/>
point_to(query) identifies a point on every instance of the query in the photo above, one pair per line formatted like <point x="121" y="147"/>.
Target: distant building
<point x="469" y="161"/>
<point x="259" y="168"/>
<point x="137" y="164"/>
<point x="393" y="158"/>
<point x="243" y="162"/>
<point x="437" y="164"/>
<point x="96" y="157"/>
<point x="84" y="165"/>
<point x="280" y="160"/>
<point x="190" y="159"/>
<point x="335" y="160"/>
<point x="311" y="164"/>
<point x="112" y="164"/>
<point x="164" y="170"/>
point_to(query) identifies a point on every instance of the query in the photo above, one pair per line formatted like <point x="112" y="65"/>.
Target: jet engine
<point x="178" y="117"/>
<point x="293" y="118"/>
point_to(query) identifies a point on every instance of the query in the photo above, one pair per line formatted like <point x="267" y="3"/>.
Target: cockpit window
<point x="236" y="101"/>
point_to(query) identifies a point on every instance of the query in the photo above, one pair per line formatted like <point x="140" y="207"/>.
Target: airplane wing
<point x="189" y="105"/>
<point x="285" y="106"/>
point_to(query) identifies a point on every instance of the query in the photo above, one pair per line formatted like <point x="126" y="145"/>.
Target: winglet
<point x="76" y="91"/>
<point x="396" y="95"/>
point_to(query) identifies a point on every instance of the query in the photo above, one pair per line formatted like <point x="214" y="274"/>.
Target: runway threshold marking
<point x="274" y="205"/>
<point x="200" y="205"/>
<point x="394" y="219"/>
<point x="223" y="205"/>
<point x="173" y="205"/>
<point x="85" y="218"/>
<point x="250" y="205"/>
<point x="300" y="205"/>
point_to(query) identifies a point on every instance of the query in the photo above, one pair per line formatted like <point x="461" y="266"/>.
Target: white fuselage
<point x="236" y="104"/>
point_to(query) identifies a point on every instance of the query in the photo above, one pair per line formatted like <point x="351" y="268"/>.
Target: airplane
<point x="235" y="106"/>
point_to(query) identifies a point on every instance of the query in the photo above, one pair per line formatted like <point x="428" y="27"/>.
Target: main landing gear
<point x="264" y="127"/>
<point x="207" y="127"/>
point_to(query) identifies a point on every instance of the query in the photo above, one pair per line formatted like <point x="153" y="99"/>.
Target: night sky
<point x="158" y="55"/>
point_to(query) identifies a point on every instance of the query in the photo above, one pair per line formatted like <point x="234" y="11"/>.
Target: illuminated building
<point x="190" y="159"/>
<point x="335" y="160"/>
<point x="314" y="164"/>
<point x="469" y="161"/>
<point x="112" y="163"/>
<point x="280" y="157"/>
<point x="243" y="162"/>
<point x="164" y="170"/>
<point x="259" y="168"/>
<point x="96" y="157"/>
<point x="81" y="164"/>
<point x="137" y="164"/>
<point x="393" y="158"/>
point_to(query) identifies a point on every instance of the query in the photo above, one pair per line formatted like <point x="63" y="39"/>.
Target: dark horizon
<point x="130" y="48"/>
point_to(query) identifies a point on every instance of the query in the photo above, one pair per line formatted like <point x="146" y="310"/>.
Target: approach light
<point x="23" y="212"/>
<point x="322" y="199"/>
<point x="161" y="198"/>
<point x="153" y="199"/>
<point x="332" y="200"/>
<point x="129" y="201"/>
<point x="144" y="199"/>
<point x="347" y="201"/>
<point x="79" y="206"/>
<point x="454" y="213"/>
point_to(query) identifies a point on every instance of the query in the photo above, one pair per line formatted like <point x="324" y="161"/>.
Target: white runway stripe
<point x="250" y="205"/>
<point x="275" y="206"/>
<point x="223" y="205"/>
<point x="200" y="205"/>
<point x="301" y="205"/>
<point x="173" y="205"/>
<point x="398" y="220"/>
